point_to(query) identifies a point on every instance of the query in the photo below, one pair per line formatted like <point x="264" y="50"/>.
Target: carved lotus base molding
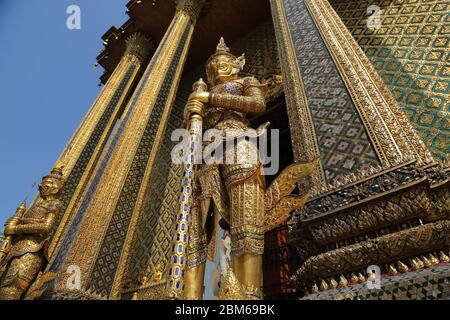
<point x="427" y="283"/>
<point x="156" y="291"/>
<point x="377" y="207"/>
<point x="68" y="294"/>
<point x="359" y="190"/>
<point x="382" y="250"/>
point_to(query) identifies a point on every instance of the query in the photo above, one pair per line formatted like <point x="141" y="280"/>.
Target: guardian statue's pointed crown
<point x="223" y="54"/>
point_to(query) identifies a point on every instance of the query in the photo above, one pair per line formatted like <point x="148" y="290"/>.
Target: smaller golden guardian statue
<point x="234" y="192"/>
<point x="24" y="251"/>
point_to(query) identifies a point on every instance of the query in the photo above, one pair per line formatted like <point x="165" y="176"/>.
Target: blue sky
<point x="47" y="84"/>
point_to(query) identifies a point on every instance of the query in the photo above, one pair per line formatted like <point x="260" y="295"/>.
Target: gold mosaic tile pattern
<point x="411" y="51"/>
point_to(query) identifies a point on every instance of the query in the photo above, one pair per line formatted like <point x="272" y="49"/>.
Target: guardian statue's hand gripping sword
<point x="193" y="120"/>
<point x="6" y="245"/>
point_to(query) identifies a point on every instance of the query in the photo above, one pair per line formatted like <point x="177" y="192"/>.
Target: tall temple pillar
<point x="107" y="216"/>
<point x="84" y="149"/>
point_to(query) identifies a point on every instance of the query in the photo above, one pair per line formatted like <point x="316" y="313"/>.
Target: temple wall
<point x="411" y="52"/>
<point x="334" y="230"/>
<point x="341" y="137"/>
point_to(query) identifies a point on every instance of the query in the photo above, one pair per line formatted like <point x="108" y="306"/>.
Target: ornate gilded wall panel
<point x="364" y="204"/>
<point x="304" y="140"/>
<point x="342" y="139"/>
<point x="411" y="52"/>
<point x="261" y="53"/>
<point x="344" y="144"/>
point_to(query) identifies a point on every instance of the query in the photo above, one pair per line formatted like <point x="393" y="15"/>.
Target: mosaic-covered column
<point x="83" y="151"/>
<point x="111" y="209"/>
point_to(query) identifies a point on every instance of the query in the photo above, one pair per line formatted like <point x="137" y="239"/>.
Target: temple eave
<point x="153" y="18"/>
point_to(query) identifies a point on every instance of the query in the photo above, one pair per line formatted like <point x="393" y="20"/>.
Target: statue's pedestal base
<point x="426" y="284"/>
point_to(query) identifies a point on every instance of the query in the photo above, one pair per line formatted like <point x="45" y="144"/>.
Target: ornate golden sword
<point x="178" y="260"/>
